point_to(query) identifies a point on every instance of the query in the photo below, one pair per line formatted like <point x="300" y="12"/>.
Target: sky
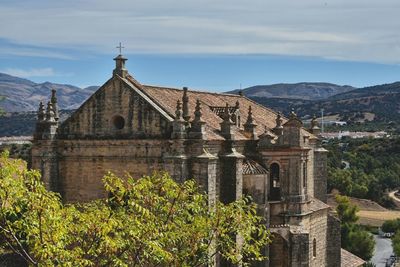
<point x="211" y="45"/>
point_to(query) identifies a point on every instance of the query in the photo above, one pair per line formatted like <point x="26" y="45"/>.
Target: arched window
<point x="314" y="249"/>
<point x="274" y="182"/>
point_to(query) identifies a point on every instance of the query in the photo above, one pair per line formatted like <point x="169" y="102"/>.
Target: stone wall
<point x="333" y="241"/>
<point x="318" y="231"/>
<point x="115" y="111"/>
<point x="83" y="163"/>
<point x="320" y="174"/>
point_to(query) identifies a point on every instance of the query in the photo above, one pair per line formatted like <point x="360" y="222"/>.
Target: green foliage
<point x="391" y="226"/>
<point x="2" y="112"/>
<point x="396" y="244"/>
<point x="144" y="222"/>
<point x="360" y="243"/>
<point x="374" y="168"/>
<point x="346" y="211"/>
<point x="353" y="238"/>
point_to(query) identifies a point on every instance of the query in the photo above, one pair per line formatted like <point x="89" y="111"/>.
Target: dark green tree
<point x="353" y="238"/>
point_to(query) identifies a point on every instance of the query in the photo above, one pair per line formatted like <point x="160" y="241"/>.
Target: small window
<point x="304" y="174"/>
<point x="314" y="250"/>
<point x="118" y="122"/>
<point x="274" y="182"/>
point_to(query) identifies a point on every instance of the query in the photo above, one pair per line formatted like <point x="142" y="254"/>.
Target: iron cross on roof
<point x="120" y="48"/>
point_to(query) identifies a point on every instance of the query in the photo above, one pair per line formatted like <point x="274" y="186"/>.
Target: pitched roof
<point x="166" y="98"/>
<point x="350" y="260"/>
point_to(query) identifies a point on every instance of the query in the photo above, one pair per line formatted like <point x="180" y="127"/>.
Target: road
<point x="393" y="196"/>
<point x="383" y="250"/>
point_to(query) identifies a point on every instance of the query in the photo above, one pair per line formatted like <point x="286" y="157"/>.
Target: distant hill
<point x="380" y="103"/>
<point x="305" y="91"/>
<point x="20" y="95"/>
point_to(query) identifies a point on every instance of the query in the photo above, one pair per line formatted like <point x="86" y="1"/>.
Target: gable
<point x="118" y="109"/>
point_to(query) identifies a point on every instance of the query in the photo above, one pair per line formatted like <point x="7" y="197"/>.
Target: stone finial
<point x="198" y="124"/>
<point x="279" y="120"/>
<point x="120" y="66"/>
<point x="227" y="124"/>
<point x="54" y="105"/>
<point x="49" y="112"/>
<point x="250" y="119"/>
<point x="197" y="112"/>
<point x="41" y="113"/>
<point x="178" y="111"/>
<point x="292" y="115"/>
<point x="294" y="120"/>
<point x="178" y="125"/>
<point x="278" y="130"/>
<point x="250" y="125"/>
<point x="185" y="101"/>
<point x="237" y="105"/>
<point x="226" y="116"/>
<point x="235" y="116"/>
<point x="314" y="129"/>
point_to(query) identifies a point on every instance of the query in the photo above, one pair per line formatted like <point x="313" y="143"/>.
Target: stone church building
<point x="230" y="144"/>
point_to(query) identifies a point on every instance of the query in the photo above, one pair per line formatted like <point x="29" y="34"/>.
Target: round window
<point x="118" y="122"/>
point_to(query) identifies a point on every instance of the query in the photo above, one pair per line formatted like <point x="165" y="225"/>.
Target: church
<point x="228" y="143"/>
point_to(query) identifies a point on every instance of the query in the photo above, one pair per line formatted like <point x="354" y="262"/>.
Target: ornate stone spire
<point x="237" y="105"/>
<point x="50" y="112"/>
<point x="294" y="120"/>
<point x="278" y="130"/>
<point x="250" y="125"/>
<point x="54" y="105"/>
<point x="178" y="111"/>
<point x="314" y="129"/>
<point x="227" y="124"/>
<point x="185" y="101"/>
<point x="178" y="125"/>
<point x="197" y="112"/>
<point x="226" y="116"/>
<point x="41" y="114"/>
<point x="198" y="124"/>
<point x="292" y="115"/>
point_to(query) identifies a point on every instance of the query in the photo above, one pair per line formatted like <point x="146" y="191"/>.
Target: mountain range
<point x="21" y="95"/>
<point x="380" y="103"/>
<point x="304" y="91"/>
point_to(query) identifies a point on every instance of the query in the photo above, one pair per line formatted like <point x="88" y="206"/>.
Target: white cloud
<point x="39" y="72"/>
<point x="363" y="30"/>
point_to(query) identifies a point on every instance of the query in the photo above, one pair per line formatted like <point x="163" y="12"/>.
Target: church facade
<point x="229" y="144"/>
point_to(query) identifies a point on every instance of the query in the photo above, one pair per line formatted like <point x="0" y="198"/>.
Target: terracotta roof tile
<point x="253" y="167"/>
<point x="350" y="260"/>
<point x="167" y="97"/>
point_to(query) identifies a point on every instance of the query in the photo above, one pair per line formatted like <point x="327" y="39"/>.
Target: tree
<point x="396" y="244"/>
<point x="346" y="211"/>
<point x="353" y="238"/>
<point x="391" y="226"/>
<point x="144" y="222"/>
<point x="2" y="112"/>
